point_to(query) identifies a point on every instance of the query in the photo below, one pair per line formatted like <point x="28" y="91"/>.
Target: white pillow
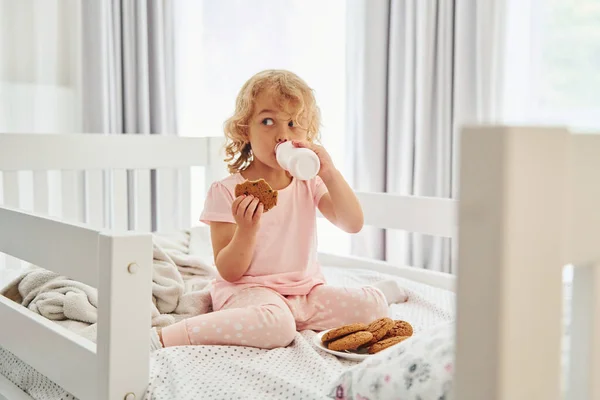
<point x="420" y="367"/>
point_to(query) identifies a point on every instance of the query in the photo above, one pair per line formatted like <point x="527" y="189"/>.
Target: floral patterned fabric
<point x="419" y="368"/>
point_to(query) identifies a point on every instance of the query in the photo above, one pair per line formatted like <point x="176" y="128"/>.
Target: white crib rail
<point x="120" y="267"/>
<point x="425" y="215"/>
<point x="528" y="206"/>
<point x="104" y="180"/>
<point x="511" y="252"/>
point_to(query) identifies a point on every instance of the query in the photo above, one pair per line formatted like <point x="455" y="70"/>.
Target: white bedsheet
<point x="296" y="372"/>
<point x="228" y="372"/>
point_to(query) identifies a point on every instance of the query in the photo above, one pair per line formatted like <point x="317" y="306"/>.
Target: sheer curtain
<point x="552" y="71"/>
<point x="421" y="69"/>
<point x="220" y="44"/>
<point x="128" y="81"/>
<point x="402" y="83"/>
<point x="40" y="68"/>
<point x="40" y="87"/>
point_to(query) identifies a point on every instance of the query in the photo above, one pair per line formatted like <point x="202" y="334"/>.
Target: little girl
<point x="270" y="283"/>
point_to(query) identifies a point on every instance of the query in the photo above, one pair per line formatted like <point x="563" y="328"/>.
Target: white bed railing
<point x="528" y="206"/>
<point x="117" y="264"/>
<point x="86" y="252"/>
<point x="426" y="215"/>
<point x="88" y="175"/>
<point x="120" y="267"/>
<point x="529" y="203"/>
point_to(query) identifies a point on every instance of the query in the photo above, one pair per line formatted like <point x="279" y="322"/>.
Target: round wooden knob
<point x="133" y="268"/>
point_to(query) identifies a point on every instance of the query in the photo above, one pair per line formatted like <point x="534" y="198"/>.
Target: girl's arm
<point x="340" y="205"/>
<point x="233" y="244"/>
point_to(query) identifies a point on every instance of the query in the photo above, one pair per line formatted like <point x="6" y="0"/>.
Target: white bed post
<point x="583" y="235"/>
<point x="124" y="319"/>
<point x="511" y="203"/>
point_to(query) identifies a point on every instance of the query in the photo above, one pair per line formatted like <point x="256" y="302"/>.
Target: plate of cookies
<point x="359" y="341"/>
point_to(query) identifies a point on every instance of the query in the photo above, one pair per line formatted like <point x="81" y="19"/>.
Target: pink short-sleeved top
<point x="285" y="256"/>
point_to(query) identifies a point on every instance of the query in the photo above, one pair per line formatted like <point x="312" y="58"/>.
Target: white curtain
<point x="129" y="87"/>
<point x="128" y="67"/>
<point x="366" y="113"/>
<point x="419" y="130"/>
<point x="403" y="76"/>
<point x="419" y="69"/>
<point x="40" y="68"/>
<point x="40" y="89"/>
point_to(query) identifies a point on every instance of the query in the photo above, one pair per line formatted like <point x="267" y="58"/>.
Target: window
<point x="553" y="63"/>
<point x="220" y="44"/>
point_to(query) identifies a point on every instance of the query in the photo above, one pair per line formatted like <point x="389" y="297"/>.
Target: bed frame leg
<point x="512" y="189"/>
<point x="124" y="318"/>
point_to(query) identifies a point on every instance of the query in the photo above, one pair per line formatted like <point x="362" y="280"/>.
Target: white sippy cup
<point x="301" y="163"/>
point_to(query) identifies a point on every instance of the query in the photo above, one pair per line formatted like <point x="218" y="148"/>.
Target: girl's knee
<point x="279" y="327"/>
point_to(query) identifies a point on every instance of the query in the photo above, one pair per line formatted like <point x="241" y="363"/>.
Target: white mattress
<point x="298" y="371"/>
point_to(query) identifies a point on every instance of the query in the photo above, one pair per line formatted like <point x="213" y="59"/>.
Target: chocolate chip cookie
<point x="351" y="341"/>
<point x="400" y="328"/>
<point x="343" y="331"/>
<point x="259" y="189"/>
<point x="380" y="327"/>
<point x="385" y="343"/>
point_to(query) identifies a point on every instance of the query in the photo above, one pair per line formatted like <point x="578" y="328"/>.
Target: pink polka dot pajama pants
<point x="261" y="317"/>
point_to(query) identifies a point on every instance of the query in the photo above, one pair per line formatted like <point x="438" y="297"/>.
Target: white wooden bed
<point x="529" y="199"/>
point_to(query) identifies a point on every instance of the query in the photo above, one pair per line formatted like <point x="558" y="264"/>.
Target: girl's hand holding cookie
<point x="247" y="211"/>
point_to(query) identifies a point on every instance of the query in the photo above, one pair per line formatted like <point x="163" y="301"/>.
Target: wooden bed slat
<point x="184" y="199"/>
<point x="55" y="194"/>
<point x="72" y="191"/>
<point x="142" y="200"/>
<point x="119" y="201"/>
<point x="26" y="190"/>
<point x="54" y="351"/>
<point x="10" y="190"/>
<point x="166" y="192"/>
<point x="95" y="198"/>
<point x="41" y="201"/>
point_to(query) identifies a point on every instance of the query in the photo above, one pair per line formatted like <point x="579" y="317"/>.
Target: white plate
<point x="355" y="356"/>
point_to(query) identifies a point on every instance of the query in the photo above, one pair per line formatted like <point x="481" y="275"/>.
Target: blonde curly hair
<point x="292" y="91"/>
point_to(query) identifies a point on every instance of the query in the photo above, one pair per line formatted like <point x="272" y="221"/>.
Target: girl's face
<point x="269" y="125"/>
